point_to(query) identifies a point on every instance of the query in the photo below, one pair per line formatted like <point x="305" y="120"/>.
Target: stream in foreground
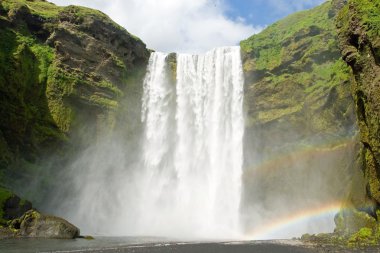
<point x="159" y="245"/>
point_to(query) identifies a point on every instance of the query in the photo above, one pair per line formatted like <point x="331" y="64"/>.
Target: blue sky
<point x="194" y="26"/>
<point x="265" y="12"/>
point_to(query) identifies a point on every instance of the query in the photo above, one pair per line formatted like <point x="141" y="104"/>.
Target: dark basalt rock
<point x="14" y="207"/>
<point x="11" y="206"/>
<point x="359" y="44"/>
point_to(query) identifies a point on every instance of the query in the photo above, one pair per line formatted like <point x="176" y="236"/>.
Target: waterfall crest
<point x="192" y="147"/>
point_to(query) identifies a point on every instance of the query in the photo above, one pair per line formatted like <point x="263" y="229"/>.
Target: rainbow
<point x="338" y="146"/>
<point x="264" y="231"/>
<point x="334" y="147"/>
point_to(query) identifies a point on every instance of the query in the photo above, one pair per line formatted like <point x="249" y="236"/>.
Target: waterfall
<point x="181" y="174"/>
<point x="192" y="151"/>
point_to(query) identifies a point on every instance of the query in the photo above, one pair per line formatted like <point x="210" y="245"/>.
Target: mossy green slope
<point x="63" y="73"/>
<point x="296" y="82"/>
<point x="26" y="127"/>
<point x="297" y="87"/>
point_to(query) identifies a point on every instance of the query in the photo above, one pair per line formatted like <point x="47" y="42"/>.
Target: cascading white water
<point x="181" y="176"/>
<point x="184" y="179"/>
<point x="192" y="146"/>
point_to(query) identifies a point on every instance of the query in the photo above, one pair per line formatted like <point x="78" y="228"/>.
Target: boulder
<point x="34" y="224"/>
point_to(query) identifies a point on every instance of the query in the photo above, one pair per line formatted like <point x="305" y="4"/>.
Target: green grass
<point x="103" y="102"/>
<point x="268" y="46"/>
<point x="369" y="13"/>
<point x="80" y="13"/>
<point x="44" y="9"/>
<point x="295" y="42"/>
<point x="366" y="11"/>
<point x="43" y="53"/>
<point x="298" y="58"/>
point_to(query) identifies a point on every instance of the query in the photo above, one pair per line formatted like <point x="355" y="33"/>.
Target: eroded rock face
<point x="96" y="51"/>
<point x="359" y="38"/>
<point x="297" y="87"/>
<point x="64" y="74"/>
<point x="36" y="225"/>
<point x="300" y="125"/>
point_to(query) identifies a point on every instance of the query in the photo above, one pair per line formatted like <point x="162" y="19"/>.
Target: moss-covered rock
<point x="18" y="219"/>
<point x="364" y="237"/>
<point x="350" y="221"/>
<point x="33" y="224"/>
<point x="358" y="25"/>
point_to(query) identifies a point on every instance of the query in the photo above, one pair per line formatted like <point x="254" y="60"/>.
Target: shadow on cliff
<point x="28" y="132"/>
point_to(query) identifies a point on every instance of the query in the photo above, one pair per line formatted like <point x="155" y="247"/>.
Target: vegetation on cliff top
<point x="270" y="46"/>
<point x="39" y="7"/>
<point x="368" y="12"/>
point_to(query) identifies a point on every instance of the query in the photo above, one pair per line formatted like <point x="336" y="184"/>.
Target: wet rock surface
<point x="19" y="220"/>
<point x="36" y="225"/>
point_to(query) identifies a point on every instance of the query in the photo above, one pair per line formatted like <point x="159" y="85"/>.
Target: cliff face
<point x="296" y="81"/>
<point x="299" y="145"/>
<point x="64" y="72"/>
<point x="358" y="24"/>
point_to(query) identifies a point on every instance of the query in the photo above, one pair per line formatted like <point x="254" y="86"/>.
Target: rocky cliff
<point x="296" y="81"/>
<point x="358" y="25"/>
<point x="359" y="38"/>
<point x="64" y="73"/>
<point x="300" y="144"/>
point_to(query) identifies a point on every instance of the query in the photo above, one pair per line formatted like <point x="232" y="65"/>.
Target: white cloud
<point x="173" y="25"/>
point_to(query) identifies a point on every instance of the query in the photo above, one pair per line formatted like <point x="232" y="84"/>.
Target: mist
<point x="180" y="163"/>
<point x="300" y="190"/>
